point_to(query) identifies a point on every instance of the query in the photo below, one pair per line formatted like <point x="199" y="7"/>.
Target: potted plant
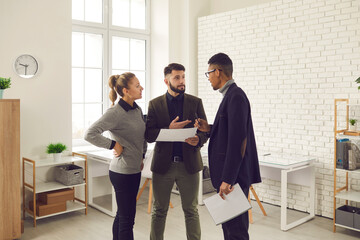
<point x="358" y="81"/>
<point x="4" y="84"/>
<point x="352" y="122"/>
<point x="56" y="149"/>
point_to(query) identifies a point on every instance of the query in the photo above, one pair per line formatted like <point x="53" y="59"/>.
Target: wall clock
<point x="26" y="66"/>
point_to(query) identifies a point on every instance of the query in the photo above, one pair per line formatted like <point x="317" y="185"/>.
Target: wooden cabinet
<point x="10" y="189"/>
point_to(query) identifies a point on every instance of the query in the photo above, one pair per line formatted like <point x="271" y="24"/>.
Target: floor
<point x="96" y="225"/>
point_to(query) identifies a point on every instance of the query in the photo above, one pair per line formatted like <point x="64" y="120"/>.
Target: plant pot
<point x="57" y="157"/>
<point x="352" y="127"/>
<point x="1" y="93"/>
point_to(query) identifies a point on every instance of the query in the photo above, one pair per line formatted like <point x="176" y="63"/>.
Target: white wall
<point x="159" y="46"/>
<point x="41" y="28"/>
<point x="196" y="9"/>
<point x="217" y="6"/>
<point x="179" y="26"/>
<point x="292" y="58"/>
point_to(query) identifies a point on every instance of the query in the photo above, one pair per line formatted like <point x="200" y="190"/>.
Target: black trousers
<point x="126" y="188"/>
<point x="237" y="228"/>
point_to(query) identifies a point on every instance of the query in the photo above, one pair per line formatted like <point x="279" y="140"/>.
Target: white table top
<point x="103" y="155"/>
<point x="106" y="156"/>
<point x="284" y="160"/>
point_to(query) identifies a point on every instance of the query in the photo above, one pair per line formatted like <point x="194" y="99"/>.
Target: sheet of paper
<point x="175" y="135"/>
<point x="222" y="211"/>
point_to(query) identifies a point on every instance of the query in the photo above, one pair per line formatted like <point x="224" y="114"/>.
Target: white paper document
<point x="222" y="211"/>
<point x="175" y="135"/>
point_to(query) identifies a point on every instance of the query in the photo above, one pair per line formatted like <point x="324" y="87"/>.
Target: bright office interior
<point x="292" y="58"/>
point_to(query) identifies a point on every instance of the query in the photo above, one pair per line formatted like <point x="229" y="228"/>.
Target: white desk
<point x="288" y="168"/>
<point x="101" y="192"/>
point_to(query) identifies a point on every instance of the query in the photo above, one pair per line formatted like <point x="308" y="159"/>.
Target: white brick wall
<point x="292" y="58"/>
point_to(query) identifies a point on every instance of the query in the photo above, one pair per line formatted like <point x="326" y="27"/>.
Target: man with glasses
<point x="232" y="149"/>
<point x="175" y="162"/>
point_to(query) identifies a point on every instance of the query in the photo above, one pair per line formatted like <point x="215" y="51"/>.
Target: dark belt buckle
<point x="177" y="159"/>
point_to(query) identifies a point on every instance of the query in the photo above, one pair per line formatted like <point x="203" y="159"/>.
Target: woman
<point x="125" y="123"/>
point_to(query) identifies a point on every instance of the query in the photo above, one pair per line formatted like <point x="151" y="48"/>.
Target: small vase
<point x="57" y="157"/>
<point x="1" y="93"/>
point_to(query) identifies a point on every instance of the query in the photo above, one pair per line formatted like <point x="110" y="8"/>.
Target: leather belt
<point x="177" y="159"/>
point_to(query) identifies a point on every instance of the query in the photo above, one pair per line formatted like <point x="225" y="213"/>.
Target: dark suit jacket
<point x="232" y="125"/>
<point x="158" y="118"/>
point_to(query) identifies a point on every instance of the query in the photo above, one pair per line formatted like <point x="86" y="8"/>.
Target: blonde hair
<point x="117" y="83"/>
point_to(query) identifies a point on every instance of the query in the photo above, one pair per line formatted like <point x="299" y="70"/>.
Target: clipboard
<point x="235" y="204"/>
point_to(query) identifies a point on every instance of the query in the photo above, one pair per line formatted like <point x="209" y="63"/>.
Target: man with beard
<point x="175" y="162"/>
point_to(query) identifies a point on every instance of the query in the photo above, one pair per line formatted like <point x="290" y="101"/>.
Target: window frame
<point x="132" y="30"/>
<point x="147" y="59"/>
<point x="108" y="31"/>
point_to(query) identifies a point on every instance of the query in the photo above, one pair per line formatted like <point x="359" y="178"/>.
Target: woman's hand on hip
<point x="118" y="149"/>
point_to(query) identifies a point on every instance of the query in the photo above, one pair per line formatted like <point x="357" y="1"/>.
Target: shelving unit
<point x="40" y="187"/>
<point x="344" y="192"/>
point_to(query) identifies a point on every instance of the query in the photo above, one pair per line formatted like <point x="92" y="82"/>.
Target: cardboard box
<point x="57" y="196"/>
<point x="46" y="209"/>
<point x="352" y="133"/>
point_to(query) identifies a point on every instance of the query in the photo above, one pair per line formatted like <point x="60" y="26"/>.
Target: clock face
<point x="26" y="66"/>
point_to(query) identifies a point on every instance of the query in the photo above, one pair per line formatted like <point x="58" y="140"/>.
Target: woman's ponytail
<point x="117" y="83"/>
<point x="112" y="84"/>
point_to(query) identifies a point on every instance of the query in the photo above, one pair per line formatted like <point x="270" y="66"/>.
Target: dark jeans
<point x="237" y="228"/>
<point x="126" y="188"/>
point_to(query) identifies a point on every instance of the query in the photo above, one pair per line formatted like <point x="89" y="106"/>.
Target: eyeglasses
<point x="208" y="73"/>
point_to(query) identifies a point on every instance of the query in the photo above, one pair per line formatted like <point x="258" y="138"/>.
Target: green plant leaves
<point x="352" y="121"/>
<point x="55" y="148"/>
<point x="358" y="81"/>
<point x="5" y="83"/>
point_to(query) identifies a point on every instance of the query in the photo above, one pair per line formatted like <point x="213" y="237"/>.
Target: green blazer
<point x="158" y="118"/>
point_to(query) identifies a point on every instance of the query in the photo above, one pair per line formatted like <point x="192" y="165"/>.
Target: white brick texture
<point x="292" y="58"/>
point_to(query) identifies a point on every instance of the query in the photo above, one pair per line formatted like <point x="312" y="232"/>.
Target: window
<point x="132" y="59"/>
<point x="129" y="14"/>
<point x="105" y="43"/>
